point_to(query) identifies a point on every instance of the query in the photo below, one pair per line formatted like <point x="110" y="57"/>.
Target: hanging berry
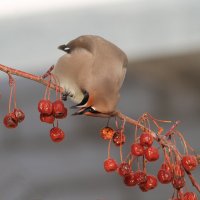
<point x="57" y="134"/>
<point x="137" y="149"/>
<point x="151" y="154"/>
<point x="107" y="133"/>
<point x="130" y="179"/>
<point x="110" y="165"/>
<point x="189" y="162"/>
<point x="124" y="169"/>
<point x="16" y="116"/>
<point x="10" y="120"/>
<point x="146" y="139"/>
<point x="47" y="118"/>
<point x="119" y="138"/>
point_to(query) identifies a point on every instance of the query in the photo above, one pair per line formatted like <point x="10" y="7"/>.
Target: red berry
<point x="45" y="107"/>
<point x="110" y="165"/>
<point x="189" y="162"/>
<point x="64" y="113"/>
<point x="59" y="109"/>
<point x="166" y="167"/>
<point x="190" y="196"/>
<point x="164" y="176"/>
<point x="130" y="180"/>
<point x="149" y="184"/>
<point x="107" y="133"/>
<point x="10" y="120"/>
<point x="140" y="177"/>
<point x="146" y="139"/>
<point x="152" y="154"/>
<point x="178" y="171"/>
<point x="124" y="169"/>
<point x="47" y="118"/>
<point x="143" y="188"/>
<point x="119" y="138"/>
<point x="178" y="182"/>
<point x="137" y="149"/>
<point x="19" y="114"/>
<point x="57" y="134"/>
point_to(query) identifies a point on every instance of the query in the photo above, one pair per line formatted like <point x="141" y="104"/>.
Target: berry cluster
<point x="51" y="111"/>
<point x="15" y="116"/>
<point x="145" y="149"/>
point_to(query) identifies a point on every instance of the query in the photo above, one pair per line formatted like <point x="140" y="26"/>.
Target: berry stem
<point x="109" y="144"/>
<point x="46" y="90"/>
<point x="193" y="181"/>
<point x="10" y="99"/>
<point x="15" y="101"/>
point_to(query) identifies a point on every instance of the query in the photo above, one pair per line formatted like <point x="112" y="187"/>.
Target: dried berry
<point x="107" y="133"/>
<point x="119" y="138"/>
<point x="19" y="114"/>
<point x="10" y="120"/>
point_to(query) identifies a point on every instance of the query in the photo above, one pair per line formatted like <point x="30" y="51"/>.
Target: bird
<point x="91" y="72"/>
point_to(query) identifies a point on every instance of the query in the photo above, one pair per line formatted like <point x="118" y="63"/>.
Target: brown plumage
<point x="95" y="65"/>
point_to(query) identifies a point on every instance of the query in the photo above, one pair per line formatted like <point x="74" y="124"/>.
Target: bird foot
<point x="65" y="94"/>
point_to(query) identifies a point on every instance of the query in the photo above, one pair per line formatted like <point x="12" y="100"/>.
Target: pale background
<point x="162" y="41"/>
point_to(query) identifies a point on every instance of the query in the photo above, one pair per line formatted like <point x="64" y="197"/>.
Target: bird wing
<point x="108" y="72"/>
<point x="73" y="69"/>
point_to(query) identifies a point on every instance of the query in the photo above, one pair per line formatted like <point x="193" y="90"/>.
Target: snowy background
<point x="162" y="41"/>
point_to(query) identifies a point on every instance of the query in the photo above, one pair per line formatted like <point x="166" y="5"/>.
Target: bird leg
<point x="65" y="94"/>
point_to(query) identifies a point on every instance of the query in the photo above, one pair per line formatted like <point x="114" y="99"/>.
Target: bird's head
<point x="90" y="106"/>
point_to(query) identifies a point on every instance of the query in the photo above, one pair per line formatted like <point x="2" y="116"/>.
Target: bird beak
<point x="82" y="112"/>
<point x="62" y="47"/>
<point x="79" y="112"/>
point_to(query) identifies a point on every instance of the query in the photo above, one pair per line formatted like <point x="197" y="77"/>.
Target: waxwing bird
<point x="92" y="71"/>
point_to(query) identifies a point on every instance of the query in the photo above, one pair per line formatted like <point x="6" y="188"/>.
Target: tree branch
<point x="26" y="75"/>
<point x="162" y="139"/>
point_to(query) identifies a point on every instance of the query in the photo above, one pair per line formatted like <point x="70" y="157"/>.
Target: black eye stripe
<point x="90" y="109"/>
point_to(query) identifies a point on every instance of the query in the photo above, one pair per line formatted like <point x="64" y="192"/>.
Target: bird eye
<point x="67" y="49"/>
<point x="92" y="110"/>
